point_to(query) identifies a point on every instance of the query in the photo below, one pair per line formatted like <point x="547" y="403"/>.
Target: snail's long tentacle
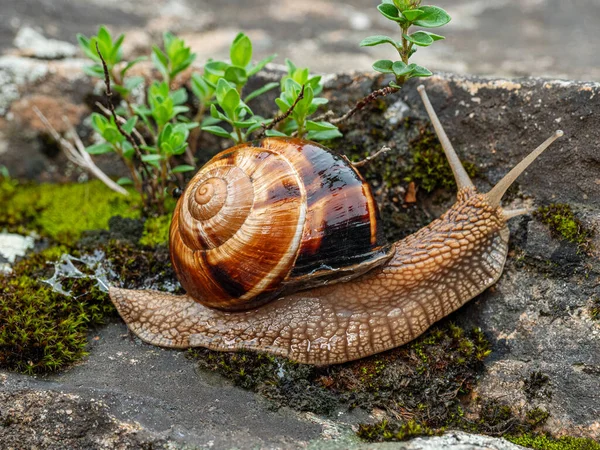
<point x="460" y="174"/>
<point x="432" y="273"/>
<point x="495" y="195"/>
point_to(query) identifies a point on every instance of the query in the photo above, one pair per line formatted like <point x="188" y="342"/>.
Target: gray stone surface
<point x="34" y="44"/>
<point x="551" y="38"/>
<point x="131" y="395"/>
<point x="537" y="317"/>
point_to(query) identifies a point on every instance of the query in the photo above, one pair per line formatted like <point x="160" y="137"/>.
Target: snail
<point x="279" y="248"/>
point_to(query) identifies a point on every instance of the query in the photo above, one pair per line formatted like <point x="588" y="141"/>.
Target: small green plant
<point x="407" y="13"/>
<point x="156" y="137"/>
<point x="234" y="111"/>
<point x="113" y="56"/>
<point x="299" y="96"/>
<point x="174" y="60"/>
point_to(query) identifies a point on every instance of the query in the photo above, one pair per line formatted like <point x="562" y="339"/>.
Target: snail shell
<point x="273" y="216"/>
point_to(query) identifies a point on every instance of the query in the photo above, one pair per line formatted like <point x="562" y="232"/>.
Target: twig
<point x="151" y="182"/>
<point x="109" y="95"/>
<point x="76" y="152"/>
<point x="121" y="120"/>
<point x="368" y="159"/>
<point x="365" y="101"/>
<point x="282" y="117"/>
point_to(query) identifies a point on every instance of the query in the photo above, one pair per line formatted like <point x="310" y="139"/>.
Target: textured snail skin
<point x="432" y="273"/>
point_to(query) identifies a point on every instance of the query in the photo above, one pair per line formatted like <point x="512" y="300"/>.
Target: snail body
<point x="361" y="297"/>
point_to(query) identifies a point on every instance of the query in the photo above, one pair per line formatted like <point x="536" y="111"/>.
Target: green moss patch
<point x="539" y="441"/>
<point x="385" y="431"/>
<point x="442" y="364"/>
<point x="595" y="309"/>
<point x="430" y="167"/>
<point x="156" y="231"/>
<point x="563" y="223"/>
<point x="41" y="330"/>
<point x="62" y="211"/>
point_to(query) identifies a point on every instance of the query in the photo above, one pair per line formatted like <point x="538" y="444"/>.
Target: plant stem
<point x="239" y="135"/>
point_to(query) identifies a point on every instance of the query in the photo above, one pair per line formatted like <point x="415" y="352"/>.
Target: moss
<point x="537" y="385"/>
<point x="62" y="211"/>
<point x="281" y="381"/>
<point x="136" y="268"/>
<point x="385" y="431"/>
<point x="430" y="168"/>
<point x="42" y="330"/>
<point x="536" y="417"/>
<point x="442" y="364"/>
<point x="156" y="231"/>
<point x="595" y="309"/>
<point x="563" y="223"/>
<point x="539" y="441"/>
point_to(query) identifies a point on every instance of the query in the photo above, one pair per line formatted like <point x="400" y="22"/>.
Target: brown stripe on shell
<point x="250" y="263"/>
<point x="341" y="229"/>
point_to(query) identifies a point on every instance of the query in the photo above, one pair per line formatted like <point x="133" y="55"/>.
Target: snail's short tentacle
<point x="460" y="174"/>
<point x="510" y="213"/>
<point x="495" y="195"/>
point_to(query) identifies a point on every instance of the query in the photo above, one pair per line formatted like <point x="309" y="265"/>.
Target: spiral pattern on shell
<point x="259" y="218"/>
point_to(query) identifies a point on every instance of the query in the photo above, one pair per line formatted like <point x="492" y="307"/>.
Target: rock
<point x="457" y="440"/>
<point x="545" y="342"/>
<point x="33" y="44"/>
<point x="12" y="246"/>
<point x="147" y="396"/>
<point x="61" y="113"/>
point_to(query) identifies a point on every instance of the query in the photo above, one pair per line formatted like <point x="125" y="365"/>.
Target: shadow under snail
<point x="278" y="246"/>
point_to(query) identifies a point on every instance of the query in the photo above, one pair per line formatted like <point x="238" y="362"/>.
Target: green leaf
<point x="94" y="71"/>
<point x="383" y="66"/>
<point x="99" y="149"/>
<point x="432" y="17"/>
<point x="86" y="46"/>
<point x="260" y="91"/>
<point x="323" y="135"/>
<point x="182" y="168"/>
<point x="260" y="65"/>
<point x="218" y="131"/>
<point x="115" y="54"/>
<point x="131" y="64"/>
<point x="244" y="123"/>
<point x="391" y="12"/>
<point x="419" y="71"/>
<point x="124" y="181"/>
<point x="272" y="133"/>
<point x="179" y="96"/>
<point x="130" y="125"/>
<point x="435" y="37"/>
<point x="230" y="102"/>
<point x="223" y="87"/>
<point x="377" y="40"/>
<point x="152" y="158"/>
<point x="132" y="82"/>
<point x="236" y="75"/>
<point x="401" y="69"/>
<point x="99" y="122"/>
<point x="412" y="14"/>
<point x="419" y="38"/>
<point x="127" y="149"/>
<point x="319" y="126"/>
<point x="216" y="114"/>
<point x="241" y="51"/>
<point x="161" y="61"/>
